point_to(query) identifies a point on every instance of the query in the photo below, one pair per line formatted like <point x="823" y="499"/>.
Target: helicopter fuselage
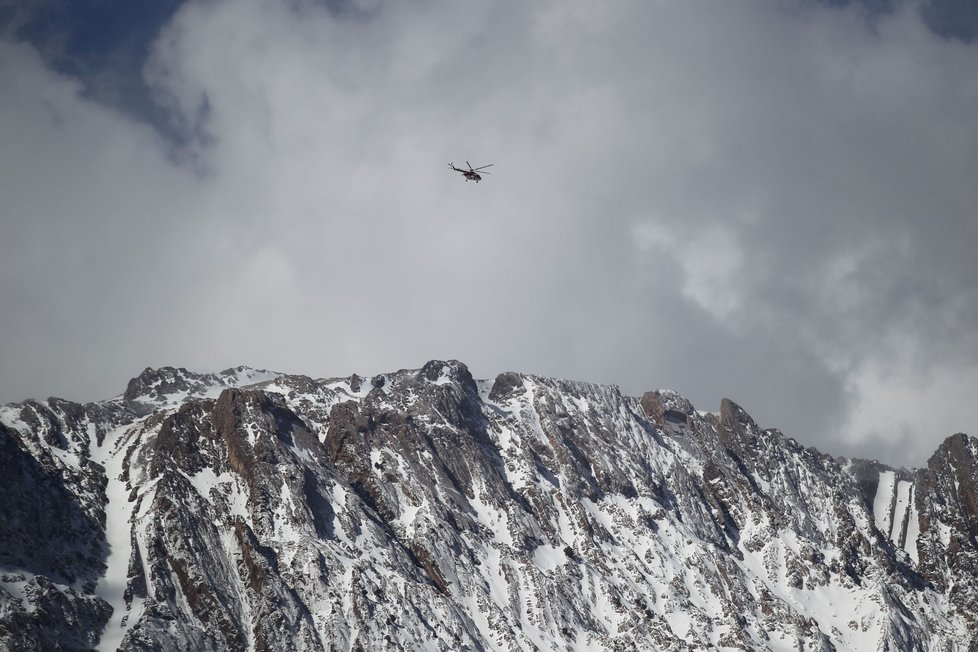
<point x="470" y="174"/>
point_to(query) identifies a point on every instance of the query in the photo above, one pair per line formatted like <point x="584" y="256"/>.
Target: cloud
<point x="766" y="201"/>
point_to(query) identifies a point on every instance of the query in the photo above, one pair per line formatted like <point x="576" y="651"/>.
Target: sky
<point x="768" y="200"/>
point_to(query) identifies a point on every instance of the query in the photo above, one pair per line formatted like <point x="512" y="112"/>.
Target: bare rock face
<point x="52" y="543"/>
<point x="666" y="409"/>
<point x="945" y="512"/>
<point x="425" y="509"/>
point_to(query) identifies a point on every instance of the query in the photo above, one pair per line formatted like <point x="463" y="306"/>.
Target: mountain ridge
<point x="425" y="509"/>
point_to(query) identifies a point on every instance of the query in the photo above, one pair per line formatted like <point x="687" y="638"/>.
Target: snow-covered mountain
<point x="426" y="510"/>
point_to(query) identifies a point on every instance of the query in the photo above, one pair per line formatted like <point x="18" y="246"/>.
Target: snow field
<point x="226" y="491"/>
<point x="118" y="532"/>
<point x="895" y="513"/>
<point x="16" y="586"/>
<point x="495" y="520"/>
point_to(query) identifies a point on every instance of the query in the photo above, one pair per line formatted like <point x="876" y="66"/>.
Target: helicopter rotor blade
<point x="485" y="166"/>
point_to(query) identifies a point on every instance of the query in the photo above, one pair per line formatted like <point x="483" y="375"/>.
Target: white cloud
<point x="711" y="261"/>
<point x="900" y="404"/>
<point x="810" y="181"/>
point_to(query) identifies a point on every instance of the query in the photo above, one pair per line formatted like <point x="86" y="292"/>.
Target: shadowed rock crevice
<point x="45" y="530"/>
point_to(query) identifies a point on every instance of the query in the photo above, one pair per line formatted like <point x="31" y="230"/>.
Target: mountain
<point x="427" y="510"/>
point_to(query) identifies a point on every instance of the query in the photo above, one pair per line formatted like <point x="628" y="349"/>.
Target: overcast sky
<point x="769" y="200"/>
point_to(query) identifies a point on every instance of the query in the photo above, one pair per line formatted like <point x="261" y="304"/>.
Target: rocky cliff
<point x="425" y="509"/>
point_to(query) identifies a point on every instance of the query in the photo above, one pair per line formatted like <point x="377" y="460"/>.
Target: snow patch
<point x="548" y="558"/>
<point x="118" y="534"/>
<point x="900" y="511"/>
<point x="883" y="501"/>
<point x="445" y="376"/>
<point x="226" y="487"/>
<point x="495" y="520"/>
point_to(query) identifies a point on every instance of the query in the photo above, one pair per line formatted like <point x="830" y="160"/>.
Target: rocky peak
<point x="157" y="383"/>
<point x="154" y="388"/>
<point x="505" y="386"/>
<point x="737" y="429"/>
<point x="952" y="476"/>
<point x="666" y="408"/>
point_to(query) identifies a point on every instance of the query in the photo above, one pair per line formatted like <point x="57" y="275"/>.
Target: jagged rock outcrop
<point x="425" y="509"/>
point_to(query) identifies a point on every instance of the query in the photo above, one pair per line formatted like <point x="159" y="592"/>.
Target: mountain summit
<point x="427" y="510"/>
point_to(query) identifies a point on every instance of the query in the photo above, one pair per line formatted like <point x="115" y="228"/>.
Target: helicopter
<point x="472" y="174"/>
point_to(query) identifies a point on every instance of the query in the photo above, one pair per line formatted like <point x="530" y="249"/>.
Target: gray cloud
<point x="764" y="201"/>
